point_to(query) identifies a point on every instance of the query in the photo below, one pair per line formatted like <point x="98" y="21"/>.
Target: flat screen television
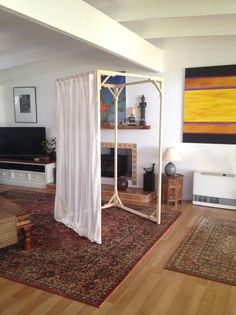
<point x="21" y="142"/>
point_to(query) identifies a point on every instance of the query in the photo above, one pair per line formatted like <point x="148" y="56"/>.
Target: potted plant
<point x="49" y="147"/>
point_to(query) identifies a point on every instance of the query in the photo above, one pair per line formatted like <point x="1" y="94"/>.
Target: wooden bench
<point x="22" y="219"/>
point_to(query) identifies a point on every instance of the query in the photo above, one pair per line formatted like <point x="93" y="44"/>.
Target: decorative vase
<point x="122" y="183"/>
<point x="170" y="169"/>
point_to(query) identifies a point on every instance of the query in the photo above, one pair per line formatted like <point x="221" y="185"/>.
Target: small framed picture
<point x="25" y="104"/>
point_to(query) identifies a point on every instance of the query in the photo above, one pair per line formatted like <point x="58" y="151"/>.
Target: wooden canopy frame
<point x="115" y="90"/>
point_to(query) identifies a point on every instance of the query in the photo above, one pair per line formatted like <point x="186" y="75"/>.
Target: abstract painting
<point x="107" y="101"/>
<point x="210" y="105"/>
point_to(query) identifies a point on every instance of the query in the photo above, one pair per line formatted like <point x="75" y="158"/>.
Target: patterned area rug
<point x="209" y="251"/>
<point x="64" y="263"/>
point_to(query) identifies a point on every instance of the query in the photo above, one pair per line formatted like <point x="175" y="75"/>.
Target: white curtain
<point x="78" y="192"/>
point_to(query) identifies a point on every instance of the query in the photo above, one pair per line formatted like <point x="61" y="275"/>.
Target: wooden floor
<point x="149" y="289"/>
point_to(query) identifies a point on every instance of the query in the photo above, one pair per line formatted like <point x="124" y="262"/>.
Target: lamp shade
<point x="171" y="154"/>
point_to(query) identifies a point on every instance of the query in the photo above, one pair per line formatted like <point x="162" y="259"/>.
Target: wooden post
<point x="116" y="96"/>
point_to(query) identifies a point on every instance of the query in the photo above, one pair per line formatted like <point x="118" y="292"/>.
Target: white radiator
<point x="214" y="189"/>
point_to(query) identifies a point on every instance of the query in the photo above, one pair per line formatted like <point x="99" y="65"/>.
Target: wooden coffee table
<point x="23" y="219"/>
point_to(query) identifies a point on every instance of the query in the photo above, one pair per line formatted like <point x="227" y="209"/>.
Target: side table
<point x="172" y="189"/>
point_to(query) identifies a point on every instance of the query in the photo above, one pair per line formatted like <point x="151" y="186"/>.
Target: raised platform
<point x="132" y="194"/>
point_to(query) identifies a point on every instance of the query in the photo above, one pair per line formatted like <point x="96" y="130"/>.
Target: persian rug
<point x="208" y="251"/>
<point x="64" y="263"/>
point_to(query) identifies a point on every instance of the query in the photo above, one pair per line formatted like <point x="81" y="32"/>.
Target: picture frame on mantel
<point x="25" y="105"/>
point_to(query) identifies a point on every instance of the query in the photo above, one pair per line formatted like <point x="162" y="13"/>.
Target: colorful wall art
<point x="107" y="101"/>
<point x="210" y="105"/>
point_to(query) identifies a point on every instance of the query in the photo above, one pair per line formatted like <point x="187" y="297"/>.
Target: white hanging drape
<point x="78" y="188"/>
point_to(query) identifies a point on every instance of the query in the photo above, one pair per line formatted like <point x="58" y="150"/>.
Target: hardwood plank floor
<point x="148" y="290"/>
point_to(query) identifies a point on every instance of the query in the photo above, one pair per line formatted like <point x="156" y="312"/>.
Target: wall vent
<point x="214" y="189"/>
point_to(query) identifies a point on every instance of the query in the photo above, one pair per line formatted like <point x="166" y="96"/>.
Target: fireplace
<point x="124" y="162"/>
<point x="127" y="160"/>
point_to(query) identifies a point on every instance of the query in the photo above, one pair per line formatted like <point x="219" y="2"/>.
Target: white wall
<point x="215" y="157"/>
<point x="43" y="76"/>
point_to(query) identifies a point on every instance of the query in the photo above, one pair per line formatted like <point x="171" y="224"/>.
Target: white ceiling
<point x="22" y="41"/>
<point x="163" y="22"/>
<point x="167" y="24"/>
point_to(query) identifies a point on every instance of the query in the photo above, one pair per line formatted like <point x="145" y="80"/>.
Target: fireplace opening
<point x="124" y="162"/>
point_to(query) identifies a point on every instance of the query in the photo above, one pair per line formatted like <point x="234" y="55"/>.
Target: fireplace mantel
<point x="139" y="127"/>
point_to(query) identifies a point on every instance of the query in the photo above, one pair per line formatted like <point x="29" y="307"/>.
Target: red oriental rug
<point x="61" y="262"/>
<point x="208" y="251"/>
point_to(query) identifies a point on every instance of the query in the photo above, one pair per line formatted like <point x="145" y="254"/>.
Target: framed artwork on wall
<point x="107" y="101"/>
<point x="210" y="105"/>
<point x="25" y="106"/>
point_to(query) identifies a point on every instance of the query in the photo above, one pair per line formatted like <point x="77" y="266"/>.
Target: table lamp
<point x="171" y="155"/>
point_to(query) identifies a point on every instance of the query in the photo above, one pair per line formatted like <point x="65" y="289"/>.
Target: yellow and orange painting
<point x="210" y="105"/>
